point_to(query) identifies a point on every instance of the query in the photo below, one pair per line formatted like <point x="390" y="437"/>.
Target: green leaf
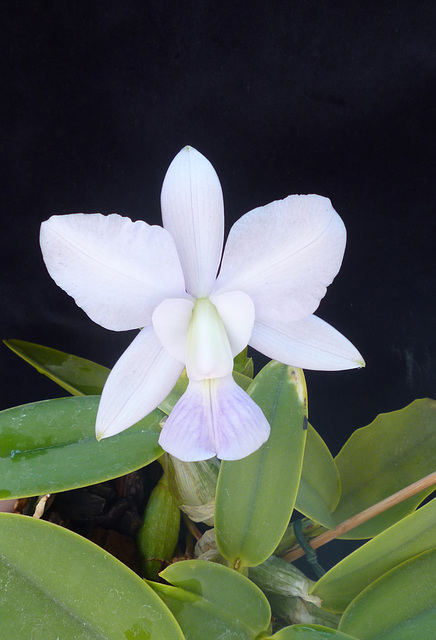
<point x="405" y="539"/>
<point x="392" y="452"/>
<point x="211" y="601"/>
<point x="56" y="584"/>
<point x="309" y="632"/>
<point x="401" y="605"/>
<point x="320" y="486"/>
<point x="76" y="375"/>
<point x="50" y="446"/>
<point x="256" y="495"/>
<point x="243" y="364"/>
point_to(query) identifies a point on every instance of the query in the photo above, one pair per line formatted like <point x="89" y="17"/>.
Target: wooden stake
<point x="364" y="516"/>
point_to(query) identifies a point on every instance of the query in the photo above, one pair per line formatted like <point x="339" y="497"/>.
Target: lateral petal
<point x="171" y="321"/>
<point x="193" y="212"/>
<point x="143" y="376"/>
<point x="284" y="255"/>
<point x="236" y="311"/>
<point x="309" y="343"/>
<point x="116" y="270"/>
<point x="214" y="417"/>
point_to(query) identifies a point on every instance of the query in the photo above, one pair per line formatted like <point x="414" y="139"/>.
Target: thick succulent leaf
<point x="56" y="584"/>
<point x="211" y="601"/>
<point x="392" y="452"/>
<point x="256" y="495"/>
<point x="320" y="486"/>
<point x="309" y="632"/>
<point x="401" y="605"/>
<point x="405" y="539"/>
<point x="50" y="446"/>
<point x="78" y="376"/>
<point x="243" y="364"/>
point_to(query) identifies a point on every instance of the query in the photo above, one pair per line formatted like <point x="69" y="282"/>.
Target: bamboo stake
<point x="364" y="516"/>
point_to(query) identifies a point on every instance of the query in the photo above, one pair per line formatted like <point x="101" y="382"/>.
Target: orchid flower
<point x="274" y="271"/>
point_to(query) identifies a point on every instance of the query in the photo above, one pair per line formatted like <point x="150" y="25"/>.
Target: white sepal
<point x="214" y="417"/>
<point x="139" y="381"/>
<point x="193" y="212"/>
<point x="310" y="343"/>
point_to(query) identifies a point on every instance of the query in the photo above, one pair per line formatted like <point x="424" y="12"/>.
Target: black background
<point x="335" y="98"/>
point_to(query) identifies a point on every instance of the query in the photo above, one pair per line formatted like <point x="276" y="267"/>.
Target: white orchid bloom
<point x="276" y="266"/>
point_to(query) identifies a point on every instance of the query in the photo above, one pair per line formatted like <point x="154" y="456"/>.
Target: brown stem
<point x="191" y="527"/>
<point x="363" y="516"/>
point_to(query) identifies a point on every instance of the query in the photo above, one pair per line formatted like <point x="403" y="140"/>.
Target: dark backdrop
<point x="283" y="97"/>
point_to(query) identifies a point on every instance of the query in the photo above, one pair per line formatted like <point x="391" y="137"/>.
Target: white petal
<point x="310" y="343"/>
<point x="284" y="255"/>
<point x="214" y="417"/>
<point x="171" y="320"/>
<point x="116" y="270"/>
<point x="193" y="212"/>
<point x="139" y="381"/>
<point x="236" y="311"/>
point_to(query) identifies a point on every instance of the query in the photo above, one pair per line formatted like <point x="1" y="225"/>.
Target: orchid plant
<point x="255" y="482"/>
